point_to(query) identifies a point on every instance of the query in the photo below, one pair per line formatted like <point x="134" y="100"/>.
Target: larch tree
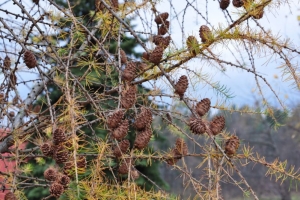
<point x="100" y="126"/>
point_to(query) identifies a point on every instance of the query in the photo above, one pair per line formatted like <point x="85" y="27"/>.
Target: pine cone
<point x="197" y="126"/>
<point x="217" y="125"/>
<point x="10" y="196"/>
<point x="50" y="174"/>
<point x="124" y="167"/>
<point x="144" y="119"/>
<point x="238" y="3"/>
<point x="232" y="145"/>
<point x="61" y="154"/>
<point x="64" y="180"/>
<point x="115" y="4"/>
<point x="128" y="98"/>
<point x="163" y="29"/>
<point x="114" y="119"/>
<point x="193" y="45"/>
<point x="141" y="66"/>
<point x="56" y="189"/>
<point x="205" y="33"/>
<point x="145" y="56"/>
<point x="120" y="132"/>
<point x="181" y="147"/>
<point x="69" y="168"/>
<point x="181" y="86"/>
<point x="47" y="149"/>
<point x="156" y="55"/>
<point x="203" y="106"/>
<point x="159" y="19"/>
<point x="134" y="173"/>
<point x="129" y="72"/>
<point x="162" y="41"/>
<point x="123" y="56"/>
<point x="81" y="162"/>
<point x="13" y="79"/>
<point x="59" y="136"/>
<point x="142" y="139"/>
<point x="30" y="59"/>
<point x="174" y="157"/>
<point x="6" y="62"/>
<point x="224" y="4"/>
<point x="11" y="114"/>
<point x="121" y="148"/>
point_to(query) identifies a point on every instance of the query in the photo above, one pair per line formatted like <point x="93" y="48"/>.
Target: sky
<point x="242" y="86"/>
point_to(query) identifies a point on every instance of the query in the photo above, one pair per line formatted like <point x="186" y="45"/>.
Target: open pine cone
<point x="47" y="149"/>
<point x="197" y="126"/>
<point x="50" y="174"/>
<point x="114" y="119"/>
<point x="129" y="72"/>
<point x="181" y="147"/>
<point x="121" y="148"/>
<point x="159" y="19"/>
<point x="143" y="138"/>
<point x="204" y="33"/>
<point x="203" y="107"/>
<point x="217" y="125"/>
<point x="56" y="189"/>
<point x="238" y="3"/>
<point x="156" y="55"/>
<point x="232" y="145"/>
<point x="181" y="86"/>
<point x="128" y="98"/>
<point x="193" y="45"/>
<point x="59" y="136"/>
<point x="161" y="41"/>
<point x="164" y="28"/>
<point x="120" y="132"/>
<point x="6" y="62"/>
<point x="123" y="56"/>
<point x="61" y="154"/>
<point x="224" y="4"/>
<point x="144" y="119"/>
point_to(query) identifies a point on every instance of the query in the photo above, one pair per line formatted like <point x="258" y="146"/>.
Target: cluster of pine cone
<point x="59" y="149"/>
<point x="247" y="4"/>
<point x="159" y="40"/>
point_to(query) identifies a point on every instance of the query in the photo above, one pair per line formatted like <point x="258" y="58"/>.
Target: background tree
<point x="93" y="99"/>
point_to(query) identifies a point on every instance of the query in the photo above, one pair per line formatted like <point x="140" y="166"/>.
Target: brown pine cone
<point x="64" y="180"/>
<point x="217" y="125"/>
<point x="156" y="55"/>
<point x="121" y="148"/>
<point x="164" y="28"/>
<point x="47" y="149"/>
<point x="232" y="145"/>
<point x="115" y="4"/>
<point x="145" y="56"/>
<point x="134" y="173"/>
<point x="50" y="174"/>
<point x="129" y="72"/>
<point x="181" y="147"/>
<point x="144" y="119"/>
<point x="81" y="162"/>
<point x="174" y="154"/>
<point x="181" y="86"/>
<point x="56" y="189"/>
<point x="124" y="166"/>
<point x="162" y="41"/>
<point x="120" y="132"/>
<point x="30" y="59"/>
<point x="193" y="45"/>
<point x="128" y="98"/>
<point x="123" y="56"/>
<point x="141" y="66"/>
<point x="6" y="62"/>
<point x="205" y="33"/>
<point x="197" y="126"/>
<point x="11" y="114"/>
<point x="159" y="19"/>
<point x="203" y="107"/>
<point x="114" y="119"/>
<point x="224" y="4"/>
<point x="59" y="136"/>
<point x="10" y="196"/>
<point x="69" y="168"/>
<point x="238" y="3"/>
<point x="61" y="154"/>
<point x="142" y="139"/>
